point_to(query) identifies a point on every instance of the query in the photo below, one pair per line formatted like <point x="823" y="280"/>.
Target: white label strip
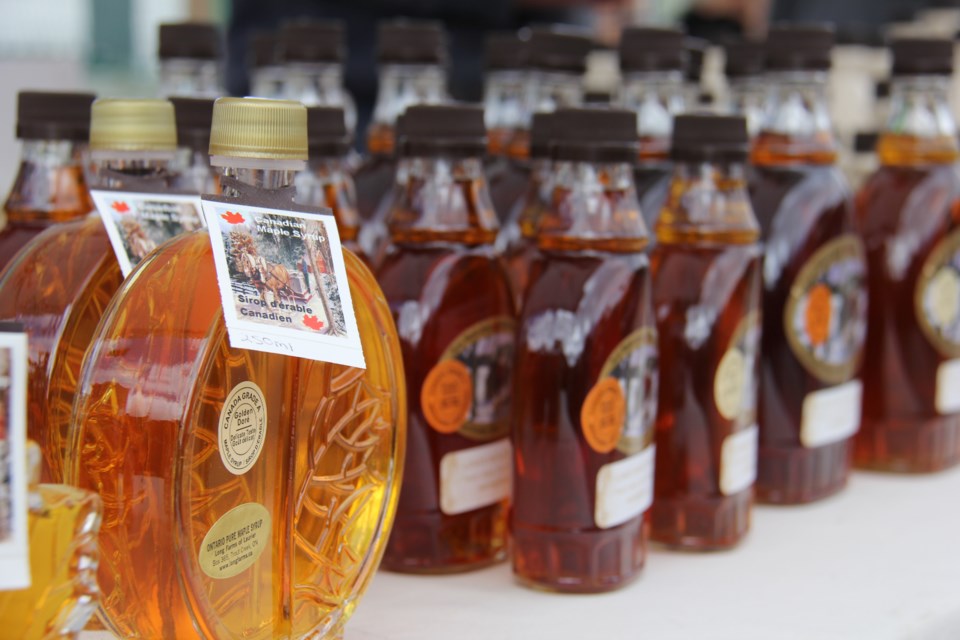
<point x="948" y="387"/>
<point x="831" y="415"/>
<point x="738" y="461"/>
<point x="475" y="477"/>
<point x="624" y="489"/>
<point x="14" y="538"/>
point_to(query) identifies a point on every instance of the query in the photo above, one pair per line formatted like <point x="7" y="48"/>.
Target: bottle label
<point x="825" y="318"/>
<point x="624" y="489"/>
<point x="738" y="460"/>
<point x="634" y="365"/>
<point x="283" y="281"/>
<point x="235" y="541"/>
<point x="735" y="394"/>
<point x="831" y="415"/>
<point x="137" y="223"/>
<point x="14" y="536"/>
<point x="243" y="427"/>
<point x="937" y="298"/>
<point x="468" y="391"/>
<point x="476" y="477"/>
<point x="948" y="387"/>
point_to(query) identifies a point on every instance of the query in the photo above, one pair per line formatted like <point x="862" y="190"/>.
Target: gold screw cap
<point x="132" y="125"/>
<point x="259" y="128"/>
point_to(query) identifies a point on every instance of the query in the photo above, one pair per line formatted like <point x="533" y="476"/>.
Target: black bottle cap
<point x="709" y="137"/>
<point x="311" y="41"/>
<point x="507" y="51"/>
<point x="799" y="47"/>
<point x="200" y="40"/>
<point x="193" y="116"/>
<point x="263" y="49"/>
<point x="922" y="56"/>
<point x="594" y="135"/>
<point x="865" y="141"/>
<point x="597" y="98"/>
<point x="327" y="134"/>
<point x="559" y="48"/>
<point x="541" y="135"/>
<point x="434" y="130"/>
<point x="744" y="59"/>
<point x="861" y="34"/>
<point x="652" y="49"/>
<point x="411" y="42"/>
<point x="47" y="115"/>
<point x="696" y="51"/>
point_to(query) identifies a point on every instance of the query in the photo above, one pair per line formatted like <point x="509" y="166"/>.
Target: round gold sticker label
<point x="735" y="382"/>
<point x="937" y="297"/>
<point x="243" y="427"/>
<point x="633" y="364"/>
<point x="235" y="541"/>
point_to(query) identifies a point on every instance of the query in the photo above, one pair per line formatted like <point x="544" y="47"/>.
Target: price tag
<point x="14" y="539"/>
<point x="283" y="282"/>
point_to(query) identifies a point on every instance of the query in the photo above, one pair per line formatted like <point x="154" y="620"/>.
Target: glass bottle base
<point x="701" y="524"/>
<point x="909" y="446"/>
<point x="438" y="543"/>
<point x="579" y="562"/>
<point x="797" y="475"/>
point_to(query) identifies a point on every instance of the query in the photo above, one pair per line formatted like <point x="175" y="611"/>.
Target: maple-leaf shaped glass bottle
<point x="190" y="60"/>
<point x="908" y="214"/>
<point x="451" y="298"/>
<point x="313" y="508"/>
<point x="60" y="283"/>
<point x="49" y="186"/>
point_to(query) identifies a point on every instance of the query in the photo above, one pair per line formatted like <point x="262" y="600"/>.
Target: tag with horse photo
<point x="283" y="281"/>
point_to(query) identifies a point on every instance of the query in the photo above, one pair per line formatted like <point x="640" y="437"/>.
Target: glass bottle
<point x="190" y="64"/>
<point x="697" y="95"/>
<point x="266" y="72"/>
<point x="747" y="90"/>
<point x="412" y="56"/>
<point x="62" y="522"/>
<point x="313" y="505"/>
<point x="326" y="181"/>
<point x="59" y="285"/>
<point x="451" y="298"/>
<point x="814" y="279"/>
<point x="312" y="55"/>
<point x="193" y="117"/>
<point x="586" y="369"/>
<point x="49" y="187"/>
<point x="505" y="94"/>
<point x="652" y="61"/>
<point x="706" y="298"/>
<point x="908" y="214"/>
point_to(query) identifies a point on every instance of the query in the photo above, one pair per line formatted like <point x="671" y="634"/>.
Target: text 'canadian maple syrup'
<point x="586" y="374"/>
<point x="452" y="303"/>
<point x="908" y="214"/>
<point x="706" y="299"/>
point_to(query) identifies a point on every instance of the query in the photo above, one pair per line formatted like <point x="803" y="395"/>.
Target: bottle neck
<point x="314" y="83"/>
<point x="442" y="199"/>
<point x="195" y="172"/>
<point x="506" y="106"/>
<point x="49" y="186"/>
<point x="326" y="182"/>
<point x="402" y="85"/>
<point x="190" y="78"/>
<point x="656" y="97"/>
<point x="708" y="203"/>
<point x="796" y="126"/>
<point x="747" y="98"/>
<point x="150" y="171"/>
<point x="552" y="90"/>
<point x="264" y="177"/>
<point x="920" y="128"/>
<point x="592" y="206"/>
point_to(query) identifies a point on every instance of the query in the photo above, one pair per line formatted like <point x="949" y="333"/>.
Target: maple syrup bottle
<point x="743" y="67"/>
<point x="814" y="279"/>
<point x="706" y="299"/>
<point x="652" y="61"/>
<point x="586" y="370"/>
<point x="249" y="493"/>
<point x="505" y="93"/>
<point x="59" y="285"/>
<point x="49" y="187"/>
<point x="193" y="117"/>
<point x="451" y="298"/>
<point x="266" y="72"/>
<point x="908" y="214"/>
<point x="190" y="64"/>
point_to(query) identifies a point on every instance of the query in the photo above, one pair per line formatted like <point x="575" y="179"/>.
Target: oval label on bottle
<point x="602" y="415"/>
<point x="468" y="390"/>
<point x="634" y="364"/>
<point x="243" y="427"/>
<point x="735" y="382"/>
<point x="825" y="318"/>
<point x="937" y="297"/>
<point x="235" y="541"/>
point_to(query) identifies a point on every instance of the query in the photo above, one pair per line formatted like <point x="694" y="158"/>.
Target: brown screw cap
<point x="696" y="52"/>
<point x="442" y="130"/>
<point x="43" y="115"/>
<point x="541" y="135"/>
<point x="264" y="49"/>
<point x="200" y="40"/>
<point x="922" y="56"/>
<point x="744" y="59"/>
<point x="559" y="49"/>
<point x="652" y="49"/>
<point x="194" y="117"/>
<point x="708" y="137"/>
<point x="411" y="42"/>
<point x="507" y="51"/>
<point x="594" y="135"/>
<point x="320" y="41"/>
<point x="327" y="134"/>
<point x="799" y="47"/>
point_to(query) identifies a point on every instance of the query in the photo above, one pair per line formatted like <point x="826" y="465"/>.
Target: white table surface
<point x="881" y="561"/>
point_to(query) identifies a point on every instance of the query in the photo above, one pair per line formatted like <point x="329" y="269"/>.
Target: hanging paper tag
<point x="283" y="282"/>
<point x="137" y="223"/>
<point x="14" y="540"/>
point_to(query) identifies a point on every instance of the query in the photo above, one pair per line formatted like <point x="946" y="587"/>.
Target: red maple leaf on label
<point x="120" y="207"/>
<point x="232" y="217"/>
<point x="313" y="322"/>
